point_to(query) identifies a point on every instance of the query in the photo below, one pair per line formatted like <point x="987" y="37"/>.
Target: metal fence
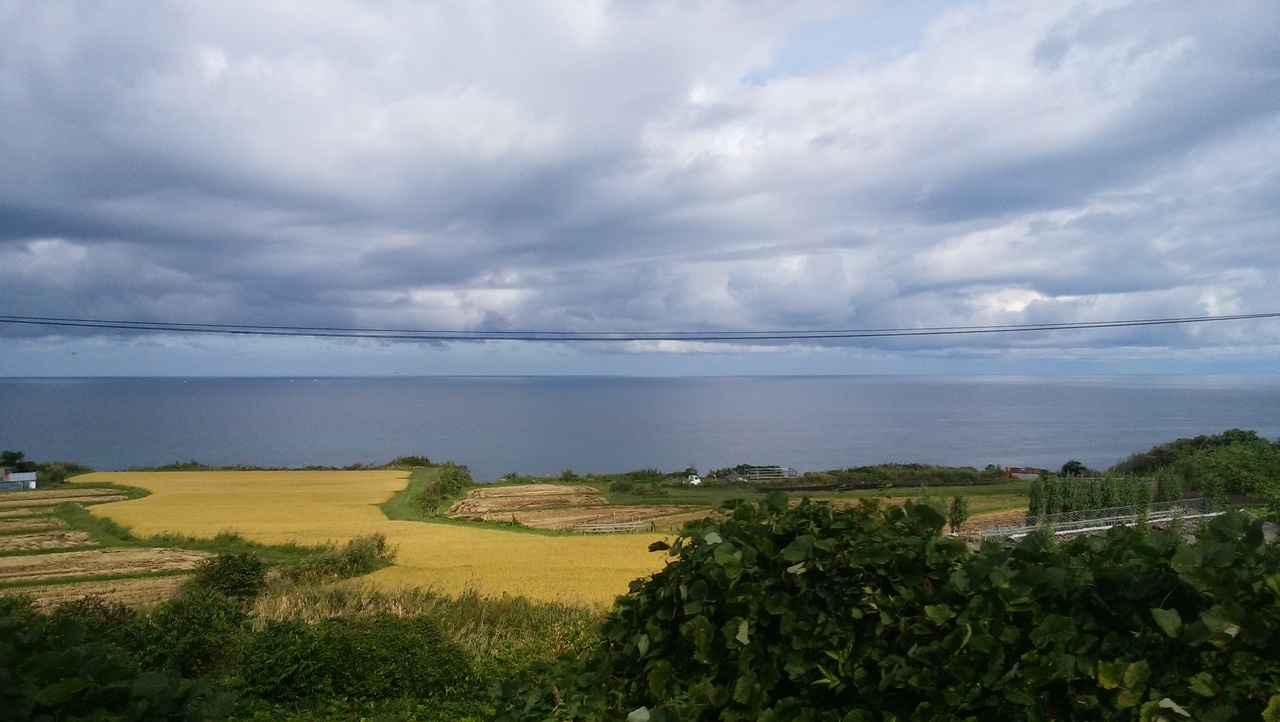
<point x="1089" y="521"/>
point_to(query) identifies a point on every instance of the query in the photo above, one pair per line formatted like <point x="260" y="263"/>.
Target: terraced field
<point x="95" y="563"/>
<point x="560" y="507"/>
<point x="309" y="507"/>
<point x="138" y="591"/>
<point x="25" y="502"/>
<point x="42" y="558"/>
<point x="44" y="541"/>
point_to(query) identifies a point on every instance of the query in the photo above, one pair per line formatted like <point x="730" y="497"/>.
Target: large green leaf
<point x="61" y="692"/>
<point x="1169" y="620"/>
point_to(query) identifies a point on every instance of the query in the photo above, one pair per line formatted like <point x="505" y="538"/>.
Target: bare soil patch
<point x="47" y="540"/>
<point x="133" y="592"/>
<point x="30" y="523"/>
<point x="991" y="520"/>
<point x="568" y="518"/>
<point x="99" y="562"/>
<point x="506" y="499"/>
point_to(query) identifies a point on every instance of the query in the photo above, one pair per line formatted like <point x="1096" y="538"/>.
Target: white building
<point x="17" y="480"/>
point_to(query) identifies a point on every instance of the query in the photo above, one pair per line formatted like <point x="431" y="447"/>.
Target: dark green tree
<point x="16" y="461"/>
<point x="1074" y="468"/>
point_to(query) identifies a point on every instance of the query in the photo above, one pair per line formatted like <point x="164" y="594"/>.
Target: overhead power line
<point x="403" y="334"/>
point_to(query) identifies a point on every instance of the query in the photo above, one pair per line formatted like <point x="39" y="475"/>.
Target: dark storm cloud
<point x="632" y="166"/>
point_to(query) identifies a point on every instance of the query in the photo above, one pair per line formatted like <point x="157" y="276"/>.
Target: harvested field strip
<point x="32" y="523"/>
<point x="98" y="562"/>
<point x="493" y="492"/>
<point x="31" y="503"/>
<point x="45" y="541"/>
<point x="572" y="517"/>
<point x="60" y="494"/>
<point x="1007" y="519"/>
<point x="134" y="592"/>
<point x="318" y="507"/>
<point x="10" y="513"/>
<point x="468" y="508"/>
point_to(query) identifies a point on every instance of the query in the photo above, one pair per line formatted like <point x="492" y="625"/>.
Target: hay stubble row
<point x="141" y="591"/>
<point x="41" y="542"/>
<point x="97" y="562"/>
<point x="20" y="511"/>
<point x="30" y="523"/>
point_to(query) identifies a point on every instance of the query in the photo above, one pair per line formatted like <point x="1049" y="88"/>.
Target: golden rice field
<point x="314" y="507"/>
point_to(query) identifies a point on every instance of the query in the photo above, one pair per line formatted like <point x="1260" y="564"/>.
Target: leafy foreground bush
<point x="51" y="669"/>
<point x="816" y="613"/>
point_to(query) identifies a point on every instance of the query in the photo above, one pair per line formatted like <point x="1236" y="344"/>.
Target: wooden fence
<point x="616" y="527"/>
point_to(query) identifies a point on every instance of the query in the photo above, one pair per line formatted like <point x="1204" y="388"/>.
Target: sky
<point x="640" y="166"/>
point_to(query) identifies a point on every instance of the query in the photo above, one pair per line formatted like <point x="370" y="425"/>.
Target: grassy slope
<point x="400" y="506"/>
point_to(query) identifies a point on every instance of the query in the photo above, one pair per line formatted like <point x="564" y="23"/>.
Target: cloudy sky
<point x="636" y="166"/>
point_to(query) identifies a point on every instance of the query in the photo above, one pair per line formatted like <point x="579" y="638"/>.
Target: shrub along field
<point x="233" y="643"/>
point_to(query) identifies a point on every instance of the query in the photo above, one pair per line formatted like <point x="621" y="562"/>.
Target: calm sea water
<point x="543" y="425"/>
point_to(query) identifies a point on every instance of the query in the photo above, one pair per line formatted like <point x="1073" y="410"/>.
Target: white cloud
<point x="627" y="166"/>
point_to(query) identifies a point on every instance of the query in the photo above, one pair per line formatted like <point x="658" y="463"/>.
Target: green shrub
<point x="1169" y="487"/>
<point x="388" y="656"/>
<point x="104" y="621"/>
<point x="958" y="512"/>
<point x="450" y="480"/>
<point x="1166" y="455"/>
<point x="239" y="576"/>
<point x="361" y="555"/>
<point x="410" y="462"/>
<point x="814" y="613"/>
<point x="17" y="606"/>
<point x="199" y="632"/>
<point x="376" y="657"/>
<point x="898" y="475"/>
<point x="282" y="662"/>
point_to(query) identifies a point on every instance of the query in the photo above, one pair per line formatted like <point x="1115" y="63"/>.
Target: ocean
<point x="544" y="425"/>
